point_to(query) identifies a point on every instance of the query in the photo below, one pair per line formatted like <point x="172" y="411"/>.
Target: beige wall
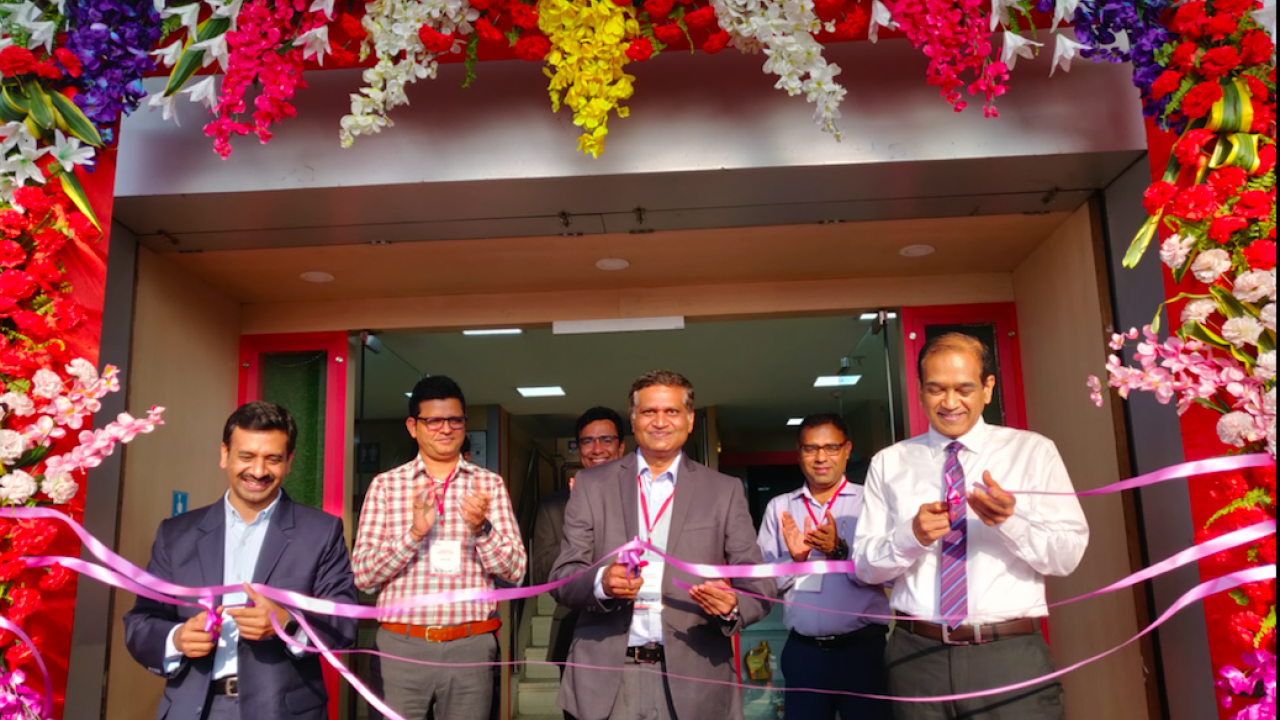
<point x="1060" y="320"/>
<point x="186" y="343"/>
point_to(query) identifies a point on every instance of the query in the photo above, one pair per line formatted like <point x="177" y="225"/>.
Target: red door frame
<point x="1005" y="317"/>
<point x="335" y="345"/>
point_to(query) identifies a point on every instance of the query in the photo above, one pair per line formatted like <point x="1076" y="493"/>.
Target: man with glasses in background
<point x="826" y="651"/>
<point x="435" y="524"/>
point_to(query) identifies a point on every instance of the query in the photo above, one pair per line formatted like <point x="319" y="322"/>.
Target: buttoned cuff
<point x="172" y="656"/>
<point x="1016" y="531"/>
<point x="600" y="594"/>
<point x="301" y="638"/>
<point x="905" y="543"/>
<point x="409" y="546"/>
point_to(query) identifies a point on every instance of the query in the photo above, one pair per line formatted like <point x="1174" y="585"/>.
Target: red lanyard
<point x="445" y="491"/>
<point x="649" y="525"/>
<point x="830" y="503"/>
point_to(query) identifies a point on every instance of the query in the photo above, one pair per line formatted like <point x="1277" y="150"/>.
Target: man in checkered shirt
<point x="435" y="524"/>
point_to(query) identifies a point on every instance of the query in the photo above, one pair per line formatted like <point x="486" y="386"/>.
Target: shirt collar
<point x="804" y="492"/>
<point x="971" y="440"/>
<point x="673" y="471"/>
<point x="420" y="468"/>
<point x="233" y="515"/>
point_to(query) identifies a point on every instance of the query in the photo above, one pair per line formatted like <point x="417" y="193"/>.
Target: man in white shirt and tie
<point x="944" y="520"/>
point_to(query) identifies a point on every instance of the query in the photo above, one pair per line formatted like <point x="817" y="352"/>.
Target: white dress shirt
<point x="646" y="618"/>
<point x="1046" y="535"/>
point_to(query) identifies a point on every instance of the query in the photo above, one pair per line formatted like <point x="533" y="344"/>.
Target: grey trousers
<point x="921" y="667"/>
<point x="458" y="693"/>
<point x="644" y="694"/>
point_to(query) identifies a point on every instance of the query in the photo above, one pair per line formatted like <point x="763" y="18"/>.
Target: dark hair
<point x="466" y="445"/>
<point x="597" y="414"/>
<point x="962" y="343"/>
<point x="665" y="378"/>
<point x="258" y="416"/>
<point x="435" y="387"/>
<point x="820" y="419"/>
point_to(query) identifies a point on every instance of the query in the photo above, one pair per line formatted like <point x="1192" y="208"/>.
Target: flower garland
<point x="1126" y="31"/>
<point x="109" y="40"/>
<point x="956" y="37"/>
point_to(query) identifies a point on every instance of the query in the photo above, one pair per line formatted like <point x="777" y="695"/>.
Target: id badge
<point x="446" y="557"/>
<point x="650" y="595"/>
<point x="808" y="583"/>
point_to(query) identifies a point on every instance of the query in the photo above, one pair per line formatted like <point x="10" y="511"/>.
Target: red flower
<point x="1219" y="61"/>
<point x="524" y="15"/>
<point x="1227" y="488"/>
<point x="668" y="34"/>
<point x="70" y="316"/>
<point x="11" y="254"/>
<point x="23" y="602"/>
<point x="1226" y="181"/>
<point x="1220" y="26"/>
<point x="827" y="10"/>
<point x="853" y="25"/>
<point x="1256" y="48"/>
<point x="532" y="48"/>
<point x="11" y="569"/>
<point x="15" y="60"/>
<point x="640" y="49"/>
<point x="659" y="8"/>
<point x="1184" y="56"/>
<point x="71" y="63"/>
<point x="13" y="223"/>
<point x="47" y="70"/>
<point x="434" y="40"/>
<point x="1222" y="228"/>
<point x="1266" y="159"/>
<point x="1190" y="146"/>
<point x="1257" y="89"/>
<point x="20" y="654"/>
<point x="1169" y="81"/>
<point x="32" y="537"/>
<point x="352" y="27"/>
<point x="701" y="18"/>
<point x="1267" y="548"/>
<point x="16" y="284"/>
<point x="33" y="325"/>
<point x="487" y="31"/>
<point x="1190" y="19"/>
<point x="622" y="3"/>
<point x="1245" y="626"/>
<point x="1195" y="203"/>
<point x="33" y="200"/>
<point x="48" y="240"/>
<point x="57" y="578"/>
<point x="1158" y="195"/>
<point x="1199" y="101"/>
<point x="1254" y="204"/>
<point x="82" y="227"/>
<point x="716" y="42"/>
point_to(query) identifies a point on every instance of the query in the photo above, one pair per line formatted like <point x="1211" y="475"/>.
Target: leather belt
<point x="229" y="686"/>
<point x="971" y="634"/>
<point x="835" y="642"/>
<point x="444" y="633"/>
<point x="651" y="653"/>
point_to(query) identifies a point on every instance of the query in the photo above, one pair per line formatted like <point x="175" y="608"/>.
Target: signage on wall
<point x="179" y="502"/>
<point x="479" y="448"/>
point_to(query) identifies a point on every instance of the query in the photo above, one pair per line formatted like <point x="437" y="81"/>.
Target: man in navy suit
<point x="254" y="534"/>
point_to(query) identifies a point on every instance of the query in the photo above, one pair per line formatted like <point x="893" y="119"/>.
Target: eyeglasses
<point x="606" y="441"/>
<point x="436" y="423"/>
<point x="830" y="450"/>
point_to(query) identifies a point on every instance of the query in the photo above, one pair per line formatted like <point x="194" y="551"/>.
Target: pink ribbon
<point x="1174" y="472"/>
<point x="7" y="624"/>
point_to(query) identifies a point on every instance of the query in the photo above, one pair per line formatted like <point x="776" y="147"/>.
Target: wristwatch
<point x="291" y="627"/>
<point x="841" y="551"/>
<point x="485" y="529"/>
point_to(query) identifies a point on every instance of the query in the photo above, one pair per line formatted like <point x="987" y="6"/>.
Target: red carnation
<point x="701" y="18"/>
<point x="33" y="325"/>
<point x="1199" y="101"/>
<point x="13" y="223"/>
<point x="434" y="40"/>
<point x="1220" y="26"/>
<point x="853" y="25"/>
<point x="20" y="654"/>
<point x="1169" y="81"/>
<point x="1261" y="254"/>
<point x="49" y="241"/>
<point x="47" y="70"/>
<point x="11" y="569"/>
<point x="640" y="49"/>
<point x="82" y="227"/>
<point x="1245" y="627"/>
<point x="32" y="537"/>
<point x="487" y="31"/>
<point x="11" y="254"/>
<point x="524" y="15"/>
<point x="1195" y="203"/>
<point x="1222" y="228"/>
<point x="1253" y="204"/>
<point x="16" y="284"/>
<point x="24" y="601"/>
<point x="1266" y="159"/>
<point x="716" y="42"/>
<point x="33" y="200"/>
<point x="352" y="27"/>
<point x="1190" y="19"/>
<point x="57" y="578"/>
<point x="668" y="34"/>
<point x="1158" y="195"/>
<point x="15" y="60"/>
<point x="1257" y="89"/>
<point x="827" y="10"/>
<point x="69" y="314"/>
<point x="1267" y="549"/>
<point x="532" y="48"/>
<point x="659" y="8"/>
<point x="1190" y="146"/>
<point x="1219" y="61"/>
<point x="1184" y="56"/>
<point x="71" y="63"/>
<point x="1225" y="181"/>
<point x="1256" y="48"/>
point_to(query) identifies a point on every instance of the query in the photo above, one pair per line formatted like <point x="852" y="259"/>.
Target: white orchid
<point x="314" y="43"/>
<point x="1016" y="46"/>
<point x="188" y="16"/>
<point x="325" y="5"/>
<point x="1065" y="50"/>
<point x="70" y="152"/>
<point x="167" y="103"/>
<point x="1064" y="11"/>
<point x="880" y="17"/>
<point x="1000" y="13"/>
<point x="215" y="48"/>
<point x="205" y="91"/>
<point x="169" y="54"/>
<point x="229" y="10"/>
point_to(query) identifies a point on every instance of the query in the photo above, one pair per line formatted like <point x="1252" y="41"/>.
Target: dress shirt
<point x="1046" y="535"/>
<point x="646" y="623"/>
<point x="843" y="592"/>
<point x="242" y="543"/>
<point x="387" y="559"/>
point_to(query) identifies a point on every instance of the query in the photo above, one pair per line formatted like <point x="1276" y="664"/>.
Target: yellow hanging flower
<point x="589" y="40"/>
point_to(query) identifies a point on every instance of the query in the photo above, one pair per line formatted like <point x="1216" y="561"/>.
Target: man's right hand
<point x="424" y="509"/>
<point x="191" y="639"/>
<point x="794" y="537"/>
<point x="618" y="584"/>
<point x="931" y="523"/>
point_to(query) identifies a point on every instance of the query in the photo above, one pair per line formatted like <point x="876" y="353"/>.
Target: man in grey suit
<point x="644" y="623"/>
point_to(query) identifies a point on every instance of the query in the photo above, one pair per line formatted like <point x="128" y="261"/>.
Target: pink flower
<point x="1095" y="385"/>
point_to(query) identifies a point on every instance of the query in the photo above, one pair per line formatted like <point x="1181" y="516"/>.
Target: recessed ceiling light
<point x="612" y="264"/>
<point x="916" y="250"/>
<point x="876" y="316"/>
<point x="794" y="422"/>
<point x="316" y="276"/>
<point x="495" y="331"/>
<point x="408" y="394"/>
<point x="836" y="380"/>
<point x="539" y="392"/>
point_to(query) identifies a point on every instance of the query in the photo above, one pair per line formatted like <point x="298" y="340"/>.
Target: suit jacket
<point x="303" y="550"/>
<point x="548" y="536"/>
<point x="710" y="523"/>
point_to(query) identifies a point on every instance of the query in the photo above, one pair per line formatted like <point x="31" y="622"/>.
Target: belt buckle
<point x="647" y="655"/>
<point x="946" y="636"/>
<point x="232" y="686"/>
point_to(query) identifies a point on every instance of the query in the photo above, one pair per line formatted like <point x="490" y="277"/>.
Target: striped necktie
<point x="955" y="585"/>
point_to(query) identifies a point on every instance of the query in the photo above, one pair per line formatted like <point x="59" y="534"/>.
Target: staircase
<point x="538" y="684"/>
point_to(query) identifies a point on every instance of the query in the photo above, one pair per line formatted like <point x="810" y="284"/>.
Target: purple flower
<point x="17" y="701"/>
<point x="1098" y="23"/>
<point x="111" y="38"/>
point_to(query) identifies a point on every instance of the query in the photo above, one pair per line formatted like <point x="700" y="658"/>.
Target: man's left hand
<point x="993" y="505"/>
<point x="255" y="622"/>
<point x="823" y="538"/>
<point x="475" y="510"/>
<point x="715" y="597"/>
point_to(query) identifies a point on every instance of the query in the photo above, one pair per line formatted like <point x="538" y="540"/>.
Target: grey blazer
<point x="710" y="523"/>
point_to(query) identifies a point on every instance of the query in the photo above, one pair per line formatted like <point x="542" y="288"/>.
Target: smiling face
<point x="257" y="462"/>
<point x="439" y="429"/>
<point x="599" y="442"/>
<point x="660" y="419"/>
<point x="953" y="392"/>
<point x="824" y="453"/>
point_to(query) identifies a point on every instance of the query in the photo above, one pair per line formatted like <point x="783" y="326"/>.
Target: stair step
<point x="537" y="698"/>
<point x="546" y="604"/>
<point x="540" y="627"/>
<point x="539" y="671"/>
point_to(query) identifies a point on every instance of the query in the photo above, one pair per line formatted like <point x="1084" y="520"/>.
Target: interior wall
<point x="1063" y="333"/>
<point x="185" y="355"/>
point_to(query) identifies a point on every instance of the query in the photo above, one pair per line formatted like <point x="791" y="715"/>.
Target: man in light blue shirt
<point x="826" y="650"/>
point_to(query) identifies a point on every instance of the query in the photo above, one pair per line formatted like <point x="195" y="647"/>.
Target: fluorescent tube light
<point x="538" y="392"/>
<point x="794" y="422"/>
<point x="497" y="331"/>
<point x="875" y="316"/>
<point x="585" y="327"/>
<point x="836" y="380"/>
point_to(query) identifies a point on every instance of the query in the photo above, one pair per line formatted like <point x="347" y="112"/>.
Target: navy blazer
<point x="303" y="550"/>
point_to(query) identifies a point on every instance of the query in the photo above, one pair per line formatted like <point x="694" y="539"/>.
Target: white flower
<point x="11" y="446"/>
<point x="1174" y="250"/>
<point x="70" y="152"/>
<point x="326" y="5"/>
<point x="1000" y="13"/>
<point x="1199" y="311"/>
<point x="167" y="103"/>
<point x="169" y="54"/>
<point x="23" y="164"/>
<point x="1254" y="285"/>
<point x="1268" y="317"/>
<point x="82" y="370"/>
<point x="1064" y="51"/>
<point x="1064" y="10"/>
<point x="46" y="384"/>
<point x="880" y="17"/>
<point x="1242" y="331"/>
<point x="215" y="48"/>
<point x="1266" y="368"/>
<point x="18" y="404"/>
<point x="1237" y="429"/>
<point x="188" y="16"/>
<point x="17" y="487"/>
<point x="1271" y="438"/>
<point x="1016" y="46"/>
<point x="1210" y="264"/>
<point x="59" y="487"/>
<point x="204" y="91"/>
<point x="315" y="42"/>
<point x="1269" y="402"/>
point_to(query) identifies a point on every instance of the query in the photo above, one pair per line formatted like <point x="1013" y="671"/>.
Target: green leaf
<point x="1267" y="341"/>
<point x="190" y="61"/>
<point x="1239" y="596"/>
<point x="473" y="54"/>
<point x="1230" y="306"/>
<point x="1205" y="335"/>
<point x="1255" y="497"/>
<point x="31" y="457"/>
<point x="75" y="121"/>
<point x="41" y="109"/>
<point x="71" y="186"/>
<point x="1268" y="624"/>
<point x="11" y="111"/>
<point x="1139" y="245"/>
